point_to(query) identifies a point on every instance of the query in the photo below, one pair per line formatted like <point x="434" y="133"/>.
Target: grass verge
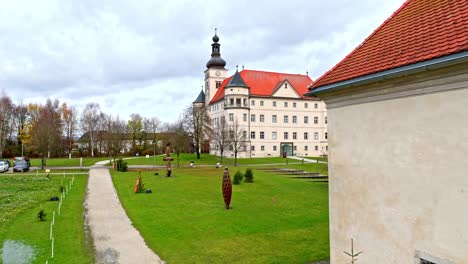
<point x="21" y="197"/>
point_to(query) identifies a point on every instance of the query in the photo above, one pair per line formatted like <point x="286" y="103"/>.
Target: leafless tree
<point x="237" y="139"/>
<point x="179" y="138"/>
<point x="197" y="124"/>
<point x="6" y="112"/>
<point x="221" y="136"/>
<point x="20" y="118"/>
<point x="135" y="128"/>
<point x="90" y="123"/>
<point x="47" y="130"/>
<point x="70" y="123"/>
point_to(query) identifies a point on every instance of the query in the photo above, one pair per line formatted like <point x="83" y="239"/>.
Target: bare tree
<point x="6" y="112"/>
<point x="237" y="139"/>
<point x="135" y="128"/>
<point x="20" y="119"/>
<point x="70" y="121"/>
<point x="221" y="136"/>
<point x="197" y="124"/>
<point x="179" y="138"/>
<point x="90" y="123"/>
<point x="47" y="130"/>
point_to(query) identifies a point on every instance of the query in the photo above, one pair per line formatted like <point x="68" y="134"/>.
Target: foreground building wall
<point x="399" y="169"/>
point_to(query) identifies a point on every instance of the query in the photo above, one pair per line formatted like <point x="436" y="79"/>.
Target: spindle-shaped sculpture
<point x="227" y="188"/>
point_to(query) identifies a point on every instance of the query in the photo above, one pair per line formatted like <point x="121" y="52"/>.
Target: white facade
<point x="283" y="122"/>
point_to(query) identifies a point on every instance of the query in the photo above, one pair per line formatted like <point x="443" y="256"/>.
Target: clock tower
<point x="215" y="72"/>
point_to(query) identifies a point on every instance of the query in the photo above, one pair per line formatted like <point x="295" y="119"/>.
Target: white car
<point x="4" y="166"/>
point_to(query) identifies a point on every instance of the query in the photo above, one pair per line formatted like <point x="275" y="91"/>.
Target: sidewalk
<point x="307" y="160"/>
<point x="115" y="238"/>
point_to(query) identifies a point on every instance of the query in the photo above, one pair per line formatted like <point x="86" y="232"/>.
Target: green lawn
<point x="207" y="159"/>
<point x="21" y="197"/>
<point x="66" y="162"/>
<point x="273" y="220"/>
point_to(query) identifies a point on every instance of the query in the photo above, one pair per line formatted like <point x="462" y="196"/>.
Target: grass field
<point x="65" y="162"/>
<point x="273" y="220"/>
<point x="21" y="197"/>
<point x="206" y="159"/>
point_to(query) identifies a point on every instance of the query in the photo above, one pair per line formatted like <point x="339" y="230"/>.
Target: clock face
<point x="217" y="73"/>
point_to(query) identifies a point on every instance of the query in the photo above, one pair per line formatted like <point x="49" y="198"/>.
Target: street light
<point x="154" y="155"/>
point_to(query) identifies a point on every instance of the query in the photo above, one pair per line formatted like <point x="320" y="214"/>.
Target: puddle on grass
<point x="16" y="252"/>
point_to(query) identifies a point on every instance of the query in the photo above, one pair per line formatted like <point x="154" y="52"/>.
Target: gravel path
<point x="115" y="238"/>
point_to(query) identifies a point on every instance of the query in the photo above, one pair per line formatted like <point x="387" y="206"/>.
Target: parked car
<point x="4" y="165"/>
<point x="21" y="165"/>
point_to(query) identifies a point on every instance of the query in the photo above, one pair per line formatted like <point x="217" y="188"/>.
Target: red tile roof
<point x="263" y="83"/>
<point x="419" y="30"/>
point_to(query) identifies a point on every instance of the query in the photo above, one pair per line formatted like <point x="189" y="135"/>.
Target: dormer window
<point x="285" y="85"/>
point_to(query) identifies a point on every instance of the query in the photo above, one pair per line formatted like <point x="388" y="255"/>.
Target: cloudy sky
<point x="148" y="56"/>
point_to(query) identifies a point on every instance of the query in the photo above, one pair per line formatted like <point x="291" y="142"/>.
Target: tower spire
<point x="216" y="61"/>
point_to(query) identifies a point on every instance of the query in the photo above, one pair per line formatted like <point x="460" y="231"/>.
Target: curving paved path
<point x="115" y="238"/>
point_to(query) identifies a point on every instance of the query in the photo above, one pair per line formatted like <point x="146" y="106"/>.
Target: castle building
<point x="264" y="113"/>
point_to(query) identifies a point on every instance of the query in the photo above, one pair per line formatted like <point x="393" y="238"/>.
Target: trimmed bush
<point x="121" y="165"/>
<point x="237" y="178"/>
<point x="248" y="176"/>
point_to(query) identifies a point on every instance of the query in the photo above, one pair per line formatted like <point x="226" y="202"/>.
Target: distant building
<point x="270" y="110"/>
<point x="398" y="133"/>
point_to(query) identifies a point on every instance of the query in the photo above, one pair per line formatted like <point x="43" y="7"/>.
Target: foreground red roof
<point x="419" y="30"/>
<point x="263" y="83"/>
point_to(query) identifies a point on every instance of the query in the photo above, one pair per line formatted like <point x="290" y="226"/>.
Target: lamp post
<point x="154" y="155"/>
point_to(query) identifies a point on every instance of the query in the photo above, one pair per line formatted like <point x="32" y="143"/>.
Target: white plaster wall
<point x="399" y="178"/>
<point x="280" y="110"/>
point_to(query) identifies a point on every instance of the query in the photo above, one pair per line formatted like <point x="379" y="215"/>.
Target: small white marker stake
<point x="53" y="218"/>
<point x="60" y="204"/>
<point x="50" y="235"/>
<point x="52" y="256"/>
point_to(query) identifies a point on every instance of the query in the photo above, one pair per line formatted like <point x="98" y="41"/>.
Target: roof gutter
<point x="393" y="73"/>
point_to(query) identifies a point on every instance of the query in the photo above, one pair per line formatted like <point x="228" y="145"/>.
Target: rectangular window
<point x="306" y="119"/>
<point x="286" y="135"/>
<point x="295" y="148"/>
<point x="252" y="148"/>
<point x="294" y="105"/>
<point x="274" y="103"/>
<point x="286" y="119"/>
<point x="218" y="84"/>
<point x="262" y="135"/>
<point x="326" y="120"/>
<point x="285" y="104"/>
<point x="306" y="105"/>
<point x="315" y="119"/>
<point x="231" y="116"/>
<point x="273" y="135"/>
<point x="252" y="134"/>
<point x="262" y="148"/>
<point x="274" y="148"/>
<point x="326" y="135"/>
<point x="252" y="102"/>
<point x="316" y="136"/>
<point x="273" y="119"/>
<point x="306" y="148"/>
<point x="294" y="119"/>
<point x="316" y="148"/>
<point x="261" y="103"/>
<point x="262" y="118"/>
<point x="306" y="136"/>
<point x="231" y="134"/>
<point x="252" y="118"/>
<point x="326" y="147"/>
<point x="244" y="134"/>
<point x="315" y="105"/>
<point x="294" y="135"/>
<point x="244" y="117"/>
